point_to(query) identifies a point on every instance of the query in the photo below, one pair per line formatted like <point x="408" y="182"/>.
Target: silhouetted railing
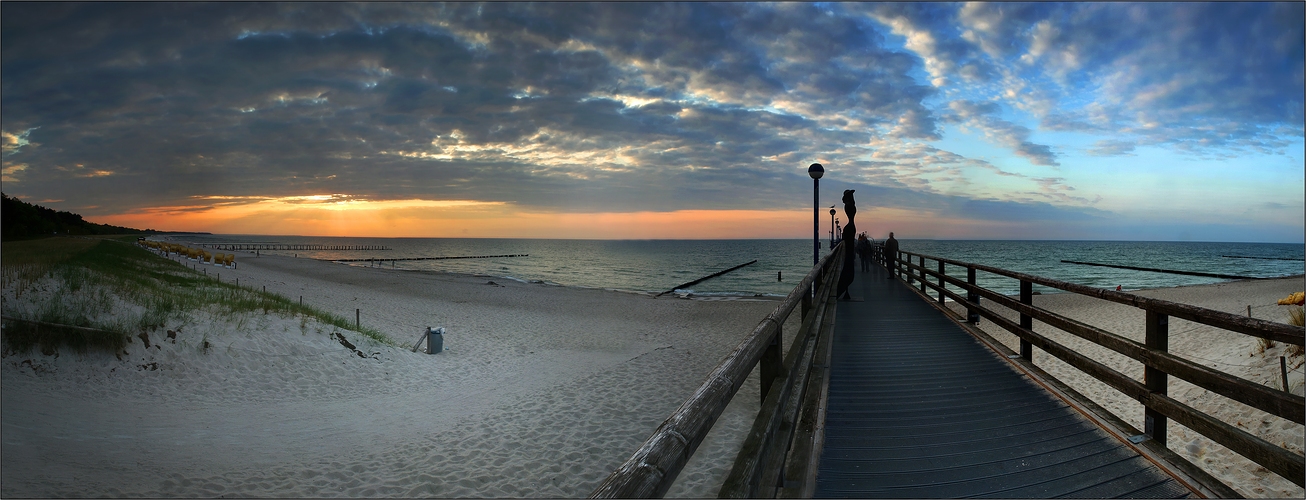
<point x="1153" y="353"/>
<point x="653" y="468"/>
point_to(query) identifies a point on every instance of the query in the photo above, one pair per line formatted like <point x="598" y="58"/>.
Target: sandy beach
<point x="1230" y="352"/>
<point x="541" y="392"/>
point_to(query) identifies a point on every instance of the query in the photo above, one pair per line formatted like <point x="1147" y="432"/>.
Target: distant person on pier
<point x="864" y="251"/>
<point x="891" y="255"/>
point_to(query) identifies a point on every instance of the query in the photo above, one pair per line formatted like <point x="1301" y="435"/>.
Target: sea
<point x="656" y="266"/>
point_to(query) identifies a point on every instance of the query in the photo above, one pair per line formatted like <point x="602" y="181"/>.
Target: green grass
<point x="122" y="289"/>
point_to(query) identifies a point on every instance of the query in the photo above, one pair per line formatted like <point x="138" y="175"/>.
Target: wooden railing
<point x="1152" y="353"/>
<point x="653" y="468"/>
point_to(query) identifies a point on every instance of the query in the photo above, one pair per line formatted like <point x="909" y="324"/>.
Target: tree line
<point x="22" y="220"/>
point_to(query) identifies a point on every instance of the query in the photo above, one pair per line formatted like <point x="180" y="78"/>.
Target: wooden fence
<point x="792" y="390"/>
<point x="1158" y="364"/>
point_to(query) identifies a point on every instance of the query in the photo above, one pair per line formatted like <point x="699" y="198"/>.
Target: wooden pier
<point x="892" y="394"/>
<point x="289" y="246"/>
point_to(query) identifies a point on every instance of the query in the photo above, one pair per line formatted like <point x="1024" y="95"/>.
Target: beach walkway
<point x="918" y="408"/>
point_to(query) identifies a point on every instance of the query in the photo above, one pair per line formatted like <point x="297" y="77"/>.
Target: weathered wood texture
<point x="809" y="433"/>
<point x="652" y="469"/>
<point x="760" y="460"/>
<point x="1155" y="359"/>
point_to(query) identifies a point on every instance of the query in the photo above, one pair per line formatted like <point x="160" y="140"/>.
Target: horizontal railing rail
<point x="1158" y="364"/>
<point x="653" y="468"/>
<point x="778" y="452"/>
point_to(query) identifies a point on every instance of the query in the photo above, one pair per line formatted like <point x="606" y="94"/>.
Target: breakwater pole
<point x="1262" y="258"/>
<point x="288" y="246"/>
<point x="373" y="259"/>
<point x="705" y="278"/>
<point x="1187" y="273"/>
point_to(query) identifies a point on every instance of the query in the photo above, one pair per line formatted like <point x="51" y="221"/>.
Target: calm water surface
<point x="654" y="266"/>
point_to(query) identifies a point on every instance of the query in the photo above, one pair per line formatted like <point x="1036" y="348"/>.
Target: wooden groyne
<point x="289" y="246"/>
<point x="383" y="259"/>
<point x="705" y="278"/>
<point x="1262" y="258"/>
<point x="1187" y="273"/>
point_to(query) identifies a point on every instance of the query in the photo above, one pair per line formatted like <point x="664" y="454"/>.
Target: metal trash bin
<point x="434" y="340"/>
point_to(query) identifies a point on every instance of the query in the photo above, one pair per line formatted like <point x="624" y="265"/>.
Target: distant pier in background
<point x="290" y="246"/>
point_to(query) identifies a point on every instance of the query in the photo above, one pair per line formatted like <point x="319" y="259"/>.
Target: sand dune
<point x="542" y="391"/>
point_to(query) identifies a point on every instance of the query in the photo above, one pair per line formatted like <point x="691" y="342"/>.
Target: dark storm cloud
<point x="613" y="106"/>
<point x="179" y="100"/>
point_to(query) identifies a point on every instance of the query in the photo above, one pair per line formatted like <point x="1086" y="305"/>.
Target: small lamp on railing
<point x="816" y="171"/>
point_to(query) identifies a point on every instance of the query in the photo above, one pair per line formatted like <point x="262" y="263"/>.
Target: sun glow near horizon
<point x="351" y="216"/>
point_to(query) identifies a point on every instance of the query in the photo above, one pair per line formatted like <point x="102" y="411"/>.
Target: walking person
<point x="864" y="251"/>
<point x="891" y="256"/>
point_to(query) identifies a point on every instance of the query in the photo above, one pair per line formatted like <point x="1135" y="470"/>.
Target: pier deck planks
<point x="919" y="409"/>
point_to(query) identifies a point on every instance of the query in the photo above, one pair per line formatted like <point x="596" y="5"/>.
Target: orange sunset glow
<point x="338" y="215"/>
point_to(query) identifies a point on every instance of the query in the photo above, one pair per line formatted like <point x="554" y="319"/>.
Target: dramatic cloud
<point x="633" y="107"/>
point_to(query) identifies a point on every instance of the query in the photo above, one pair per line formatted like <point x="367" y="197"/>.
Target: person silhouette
<point x="891" y="255"/>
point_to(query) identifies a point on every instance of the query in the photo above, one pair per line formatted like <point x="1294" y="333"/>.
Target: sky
<point x="1072" y="121"/>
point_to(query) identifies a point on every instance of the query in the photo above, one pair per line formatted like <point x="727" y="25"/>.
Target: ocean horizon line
<point x="824" y="237"/>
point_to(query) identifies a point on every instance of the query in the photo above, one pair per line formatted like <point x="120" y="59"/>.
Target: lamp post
<point x="816" y="171"/>
<point x="831" y="227"/>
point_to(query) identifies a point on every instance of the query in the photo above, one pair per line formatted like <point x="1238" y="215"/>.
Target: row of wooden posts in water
<point x="203" y="256"/>
<point x="290" y="246"/>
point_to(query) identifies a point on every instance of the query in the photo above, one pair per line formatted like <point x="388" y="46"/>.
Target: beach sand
<point x="1233" y="353"/>
<point x="541" y="392"/>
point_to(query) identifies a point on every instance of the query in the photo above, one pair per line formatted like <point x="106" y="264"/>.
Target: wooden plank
<point x="1157" y="341"/>
<point x="1272" y="457"/>
<point x="1287" y="464"/>
<point x="651" y="470"/>
<point x="810" y="356"/>
<point x="744" y="477"/>
<point x="1191" y="476"/>
<point x="809" y="431"/>
<point x="1280" y="332"/>
<point x="1261" y="397"/>
<point x="745" y="474"/>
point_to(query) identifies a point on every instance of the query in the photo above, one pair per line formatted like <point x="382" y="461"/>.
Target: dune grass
<point x="111" y="289"/>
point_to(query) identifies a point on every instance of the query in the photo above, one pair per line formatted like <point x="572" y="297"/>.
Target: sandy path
<point x="543" y="391"/>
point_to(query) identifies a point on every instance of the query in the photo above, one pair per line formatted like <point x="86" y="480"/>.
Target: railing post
<point x="942" y="284"/>
<point x="971" y="297"/>
<point x="807" y="301"/>
<point x="1026" y="321"/>
<point x="772" y="365"/>
<point x="1157" y="337"/>
<point x="897" y="264"/>
<point x="921" y="261"/>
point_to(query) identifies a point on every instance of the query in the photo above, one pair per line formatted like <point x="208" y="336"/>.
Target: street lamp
<point x="831" y="227"/>
<point x="816" y="171"/>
